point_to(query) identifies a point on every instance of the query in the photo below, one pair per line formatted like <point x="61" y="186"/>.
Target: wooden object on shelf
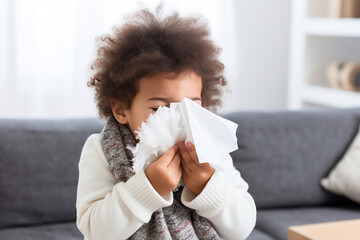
<point x="344" y="8"/>
<point x="347" y="230"/>
<point x="344" y="75"/>
<point x="350" y="9"/>
<point x="350" y="76"/>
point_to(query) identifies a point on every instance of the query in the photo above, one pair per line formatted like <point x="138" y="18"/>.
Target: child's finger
<point x="187" y="160"/>
<point x="191" y="150"/>
<point x="205" y="165"/>
<point x="169" y="155"/>
<point x="185" y="166"/>
<point x="175" y="162"/>
<point x="179" y="172"/>
<point x="185" y="175"/>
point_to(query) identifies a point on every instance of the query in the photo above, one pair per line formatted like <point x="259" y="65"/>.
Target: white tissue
<point x="214" y="137"/>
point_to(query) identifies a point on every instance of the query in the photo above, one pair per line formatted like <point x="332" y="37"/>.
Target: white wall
<point x="259" y="73"/>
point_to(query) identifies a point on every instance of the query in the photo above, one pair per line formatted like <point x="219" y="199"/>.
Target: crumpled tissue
<point x="214" y="137"/>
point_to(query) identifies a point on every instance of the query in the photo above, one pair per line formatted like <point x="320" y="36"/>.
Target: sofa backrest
<point x="283" y="155"/>
<point x="39" y="169"/>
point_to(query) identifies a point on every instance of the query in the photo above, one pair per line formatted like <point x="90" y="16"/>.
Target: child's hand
<point x="195" y="175"/>
<point x="164" y="174"/>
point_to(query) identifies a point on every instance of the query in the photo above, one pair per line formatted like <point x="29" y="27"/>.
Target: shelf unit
<point x="330" y="97"/>
<point x="314" y="42"/>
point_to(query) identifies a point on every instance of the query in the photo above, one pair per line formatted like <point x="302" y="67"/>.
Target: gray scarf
<point x="174" y="222"/>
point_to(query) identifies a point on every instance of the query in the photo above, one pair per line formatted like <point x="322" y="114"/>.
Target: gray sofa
<point x="282" y="155"/>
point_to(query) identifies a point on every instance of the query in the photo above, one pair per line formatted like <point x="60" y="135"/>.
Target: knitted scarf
<point x="174" y="222"/>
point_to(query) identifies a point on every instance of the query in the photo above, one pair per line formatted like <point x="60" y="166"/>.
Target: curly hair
<point x="149" y="45"/>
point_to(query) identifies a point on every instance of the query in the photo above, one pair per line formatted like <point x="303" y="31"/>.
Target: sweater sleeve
<point x="110" y="210"/>
<point x="226" y="203"/>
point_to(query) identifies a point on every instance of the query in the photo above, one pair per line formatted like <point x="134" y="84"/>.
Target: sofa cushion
<point x="344" y="179"/>
<point x="59" y="231"/>
<point x="276" y="222"/>
<point x="283" y="154"/>
<point x="39" y="169"/>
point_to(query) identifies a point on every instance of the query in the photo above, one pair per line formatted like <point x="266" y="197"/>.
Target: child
<point x="147" y="63"/>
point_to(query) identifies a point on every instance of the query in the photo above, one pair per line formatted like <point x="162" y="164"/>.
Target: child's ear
<point x="118" y="110"/>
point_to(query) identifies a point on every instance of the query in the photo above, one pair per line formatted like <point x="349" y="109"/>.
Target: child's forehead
<point x="163" y="88"/>
<point x="168" y="78"/>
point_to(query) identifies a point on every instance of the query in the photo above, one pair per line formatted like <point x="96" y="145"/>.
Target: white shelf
<point x="315" y="41"/>
<point x="331" y="97"/>
<point x="340" y="27"/>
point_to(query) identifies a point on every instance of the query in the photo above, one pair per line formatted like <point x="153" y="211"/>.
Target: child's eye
<point x="154" y="109"/>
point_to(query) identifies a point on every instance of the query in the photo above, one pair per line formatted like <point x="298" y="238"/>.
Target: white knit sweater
<point x="110" y="210"/>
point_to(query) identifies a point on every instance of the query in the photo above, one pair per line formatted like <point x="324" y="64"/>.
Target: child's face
<point x="157" y="91"/>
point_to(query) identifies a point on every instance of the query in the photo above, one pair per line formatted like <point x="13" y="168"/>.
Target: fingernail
<point x="188" y="145"/>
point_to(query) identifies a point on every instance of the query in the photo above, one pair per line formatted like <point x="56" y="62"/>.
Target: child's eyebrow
<point x="168" y="100"/>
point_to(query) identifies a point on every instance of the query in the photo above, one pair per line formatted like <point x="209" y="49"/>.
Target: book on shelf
<point x="344" y="8"/>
